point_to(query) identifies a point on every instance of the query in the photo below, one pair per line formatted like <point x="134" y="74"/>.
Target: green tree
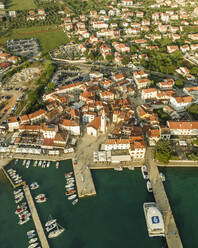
<point x="179" y="83"/>
<point x="163" y="151"/>
<point x="193" y="110"/>
<point x="125" y="60"/>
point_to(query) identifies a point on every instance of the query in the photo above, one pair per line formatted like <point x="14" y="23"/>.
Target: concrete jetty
<point x="35" y="217"/>
<point x="171" y="231"/>
<point x="84" y="181"/>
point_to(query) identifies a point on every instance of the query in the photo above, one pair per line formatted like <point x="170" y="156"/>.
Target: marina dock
<point x="84" y="181"/>
<point x="35" y="217"/>
<point x="10" y="180"/>
<point x="171" y="232"/>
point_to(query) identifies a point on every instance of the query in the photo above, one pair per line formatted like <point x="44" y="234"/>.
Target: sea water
<point x="113" y="218"/>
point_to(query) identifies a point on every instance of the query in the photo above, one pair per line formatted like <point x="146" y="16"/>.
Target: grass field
<point x="19" y="4"/>
<point x="49" y="36"/>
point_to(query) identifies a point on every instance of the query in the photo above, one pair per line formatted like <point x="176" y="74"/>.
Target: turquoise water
<point x="113" y="218"/>
<point x="182" y="189"/>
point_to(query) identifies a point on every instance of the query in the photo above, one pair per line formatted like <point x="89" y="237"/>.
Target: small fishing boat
<point x="33" y="240"/>
<point x="71" y="197"/>
<point x="69" y="185"/>
<point x="163" y="178"/>
<point x="149" y="186"/>
<point x="24" y="162"/>
<point x="40" y="163"/>
<point x="75" y="201"/>
<point x="50" y="222"/>
<point x="144" y="172"/>
<point x="16" y="192"/>
<point x="33" y="245"/>
<point x="41" y="200"/>
<point x="39" y="196"/>
<point x="69" y="174"/>
<point x="28" y="164"/>
<point x="23" y="221"/>
<point x="34" y="186"/>
<point x="30" y="232"/>
<point x="55" y="233"/>
<point x="48" y="164"/>
<point x="57" y="165"/>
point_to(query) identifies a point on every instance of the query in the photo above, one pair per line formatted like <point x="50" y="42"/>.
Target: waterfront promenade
<point x="171" y="231"/>
<point x="35" y="217"/>
<point x="84" y="180"/>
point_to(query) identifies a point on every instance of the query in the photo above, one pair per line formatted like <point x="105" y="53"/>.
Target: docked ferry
<point x="154" y="220"/>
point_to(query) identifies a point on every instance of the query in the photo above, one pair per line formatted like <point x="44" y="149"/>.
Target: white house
<point x="150" y="93"/>
<point x="13" y="124"/>
<point x="71" y="126"/>
<point x="183" y="127"/>
<point x="180" y="103"/>
<point x="138" y="149"/>
<point x="49" y="131"/>
<point x="116" y="144"/>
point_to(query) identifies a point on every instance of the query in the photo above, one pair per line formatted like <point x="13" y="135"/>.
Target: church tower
<point x="103" y="122"/>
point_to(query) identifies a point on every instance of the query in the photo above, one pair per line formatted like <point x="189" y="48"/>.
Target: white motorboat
<point x="25" y="215"/>
<point x="154" y="220"/>
<point x="18" y="195"/>
<point x="118" y="168"/>
<point x="149" y="186"/>
<point x="24" y="162"/>
<point x="71" y="197"/>
<point x="69" y="185"/>
<point x="41" y="200"/>
<point x="30" y="232"/>
<point x="70" y="181"/>
<point x="55" y="233"/>
<point x="16" y="192"/>
<point x="69" y="174"/>
<point x="20" y="210"/>
<point x="71" y="188"/>
<point x="33" y="240"/>
<point x="23" y="204"/>
<point x="23" y="221"/>
<point x="33" y="235"/>
<point x="57" y="165"/>
<point x="39" y="196"/>
<point x="163" y="178"/>
<point x="51" y="227"/>
<point x="48" y="164"/>
<point x="33" y="245"/>
<point x="34" y="186"/>
<point x="144" y="172"/>
<point x="16" y="161"/>
<point x="19" y="199"/>
<point x="35" y="163"/>
<point x="50" y="222"/>
<point x="10" y="170"/>
<point x="40" y="163"/>
<point x="75" y="201"/>
<point x="28" y="164"/>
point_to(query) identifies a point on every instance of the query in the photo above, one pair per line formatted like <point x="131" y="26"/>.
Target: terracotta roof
<point x="117" y="141"/>
<point x="12" y="120"/>
<point x="24" y="118"/>
<point x="183" y="124"/>
<point x="96" y="123"/>
<point x="37" y="113"/>
<point x="69" y="123"/>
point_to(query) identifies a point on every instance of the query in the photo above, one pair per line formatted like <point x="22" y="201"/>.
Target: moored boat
<point x="71" y="197"/>
<point x="33" y="240"/>
<point x="33" y="245"/>
<point x="57" y="165"/>
<point x="41" y="200"/>
<point x="55" y="233"/>
<point x="23" y="221"/>
<point x="16" y="192"/>
<point x="50" y="222"/>
<point x="71" y="192"/>
<point x="39" y="196"/>
<point x="149" y="186"/>
<point x="163" y="178"/>
<point x="34" y="186"/>
<point x="74" y="202"/>
<point x="30" y="232"/>
<point x="154" y="220"/>
<point x="144" y="172"/>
